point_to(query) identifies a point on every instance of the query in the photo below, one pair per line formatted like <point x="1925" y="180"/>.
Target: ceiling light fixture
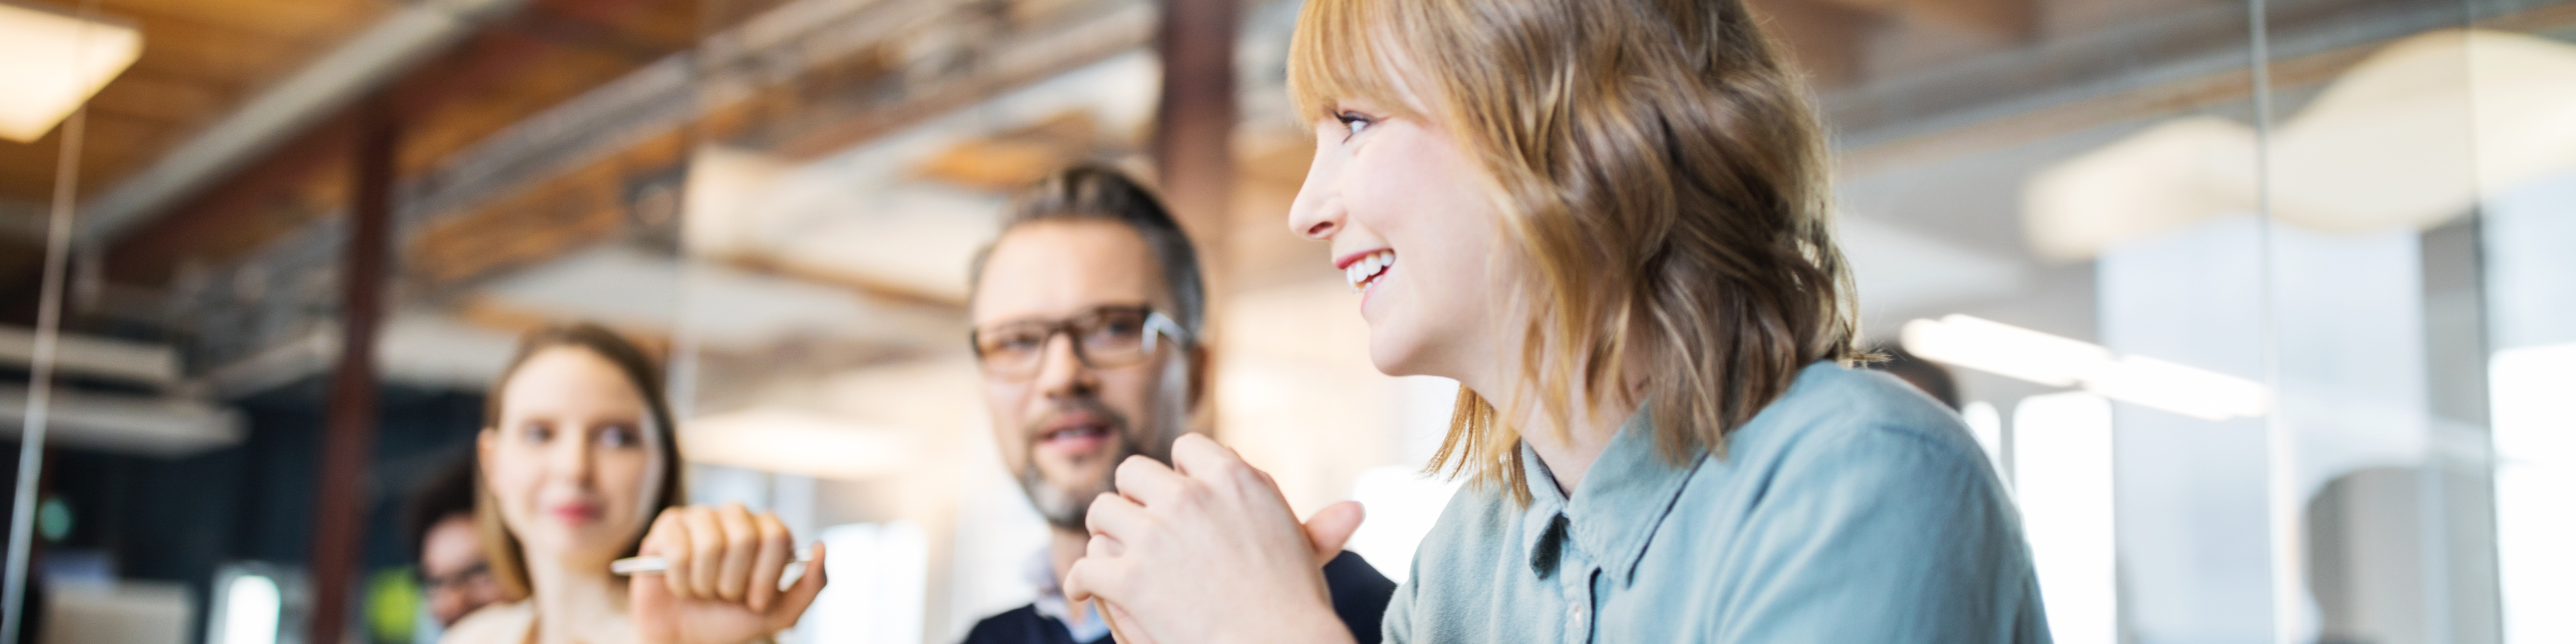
<point x="1995" y="347"/>
<point x="797" y="442"/>
<point x="2003" y="349"/>
<point x="56" y="62"/>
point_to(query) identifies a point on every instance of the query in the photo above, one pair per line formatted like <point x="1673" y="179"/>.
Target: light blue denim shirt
<point x="1853" y="509"/>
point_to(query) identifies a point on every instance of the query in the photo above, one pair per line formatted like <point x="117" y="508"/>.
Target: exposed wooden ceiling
<point x="200" y="59"/>
<point x="203" y="57"/>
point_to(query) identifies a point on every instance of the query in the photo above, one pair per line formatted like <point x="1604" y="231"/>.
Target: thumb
<point x="647" y="595"/>
<point x="1331" y="527"/>
<point x="1076" y="585"/>
<point x="791" y="605"/>
<point x="1117" y="618"/>
<point x="649" y="601"/>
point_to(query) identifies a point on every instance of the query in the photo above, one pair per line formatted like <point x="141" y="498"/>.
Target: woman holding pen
<point x="578" y="458"/>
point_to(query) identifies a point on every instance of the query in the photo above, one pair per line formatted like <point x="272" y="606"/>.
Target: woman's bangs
<point x="1335" y="56"/>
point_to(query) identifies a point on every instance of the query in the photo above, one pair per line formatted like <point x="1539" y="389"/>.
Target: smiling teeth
<point x="1368" y="269"/>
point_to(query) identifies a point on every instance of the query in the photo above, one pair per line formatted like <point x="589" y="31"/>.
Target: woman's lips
<point x="574" y="512"/>
<point x="1366" y="269"/>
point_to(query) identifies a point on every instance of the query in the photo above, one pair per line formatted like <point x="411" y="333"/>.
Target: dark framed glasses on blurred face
<point x="1105" y="337"/>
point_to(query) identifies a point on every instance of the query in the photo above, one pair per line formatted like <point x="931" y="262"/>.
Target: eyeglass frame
<point x="1155" y="324"/>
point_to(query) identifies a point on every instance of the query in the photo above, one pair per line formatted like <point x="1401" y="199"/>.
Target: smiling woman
<point x="1607" y="220"/>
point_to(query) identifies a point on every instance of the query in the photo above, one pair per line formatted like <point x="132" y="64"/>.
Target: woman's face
<point x="1414" y="230"/>
<point x="569" y="459"/>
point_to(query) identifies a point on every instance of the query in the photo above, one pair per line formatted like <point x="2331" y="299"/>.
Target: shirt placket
<point x="1574" y="584"/>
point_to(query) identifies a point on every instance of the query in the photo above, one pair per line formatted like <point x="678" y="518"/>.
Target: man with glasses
<point x="456" y="575"/>
<point x="1087" y="309"/>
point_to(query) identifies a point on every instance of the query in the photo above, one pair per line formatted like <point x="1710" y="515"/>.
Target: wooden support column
<point x="1193" y="141"/>
<point x="349" y="427"/>
<point x="1193" y="147"/>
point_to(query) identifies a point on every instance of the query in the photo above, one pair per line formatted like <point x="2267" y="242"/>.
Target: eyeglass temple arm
<point x="1156" y="324"/>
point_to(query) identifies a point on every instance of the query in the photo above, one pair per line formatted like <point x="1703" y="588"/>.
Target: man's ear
<point x="1198" y="375"/>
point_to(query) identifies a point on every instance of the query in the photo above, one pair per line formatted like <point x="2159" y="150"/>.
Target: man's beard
<point x="1066" y="509"/>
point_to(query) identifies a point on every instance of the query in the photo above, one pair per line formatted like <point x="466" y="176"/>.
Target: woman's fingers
<point x="741" y="549"/>
<point x="670" y="539"/>
<point x="1116" y="517"/>
<point x="1202" y="459"/>
<point x="1082" y="582"/>
<point x="776" y="550"/>
<point x="1103" y="546"/>
<point x="707" y="538"/>
<point x="1117" y="617"/>
<point x="1147" y="481"/>
<point x="1331" y="527"/>
<point x="1192" y="453"/>
<point x="792" y="603"/>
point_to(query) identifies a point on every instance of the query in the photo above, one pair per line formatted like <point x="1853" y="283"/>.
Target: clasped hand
<point x="722" y="583"/>
<point x="1207" y="550"/>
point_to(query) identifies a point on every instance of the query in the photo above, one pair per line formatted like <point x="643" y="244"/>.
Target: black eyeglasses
<point x="1103" y="337"/>
<point x="480" y="572"/>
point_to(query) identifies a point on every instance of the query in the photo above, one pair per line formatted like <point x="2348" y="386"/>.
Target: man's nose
<point x="1061" y="372"/>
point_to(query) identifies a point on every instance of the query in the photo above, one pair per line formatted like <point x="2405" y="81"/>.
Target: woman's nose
<point x="572" y="457"/>
<point x="1317" y="213"/>
<point x="1319" y="229"/>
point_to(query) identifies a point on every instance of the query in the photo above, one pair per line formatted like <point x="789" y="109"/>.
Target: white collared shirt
<point x="1051" y="603"/>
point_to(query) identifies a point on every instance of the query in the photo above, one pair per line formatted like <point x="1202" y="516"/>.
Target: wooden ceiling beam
<point x="219" y="224"/>
<point x="1824" y="37"/>
<point x="494" y="57"/>
<point x="2013" y="19"/>
<point x="161" y="98"/>
<point x="113" y="141"/>
<point x="297" y="20"/>
<point x="289" y="187"/>
<point x="217" y="53"/>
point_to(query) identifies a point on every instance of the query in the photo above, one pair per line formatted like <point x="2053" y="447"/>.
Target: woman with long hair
<point x="1608" y="220"/>
<point x="577" y="460"/>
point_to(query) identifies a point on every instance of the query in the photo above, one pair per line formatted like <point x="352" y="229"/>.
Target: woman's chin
<point x="1394" y="357"/>
<point x="594" y="543"/>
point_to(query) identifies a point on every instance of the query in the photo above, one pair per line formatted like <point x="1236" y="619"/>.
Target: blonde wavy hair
<point x="1660" y="165"/>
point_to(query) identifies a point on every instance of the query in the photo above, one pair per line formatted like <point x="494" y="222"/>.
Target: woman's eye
<point x="537" y="433"/>
<point x="619" y="436"/>
<point x="1352" y="123"/>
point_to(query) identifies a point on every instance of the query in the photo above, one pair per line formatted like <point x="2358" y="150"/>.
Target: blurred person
<point x="1935" y="380"/>
<point x="455" y="573"/>
<point x="577" y="459"/>
<point x="1086" y="308"/>
<point x="1607" y="220"/>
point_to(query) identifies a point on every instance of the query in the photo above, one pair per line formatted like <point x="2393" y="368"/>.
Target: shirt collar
<point x="1051" y="602"/>
<point x="1613" y="513"/>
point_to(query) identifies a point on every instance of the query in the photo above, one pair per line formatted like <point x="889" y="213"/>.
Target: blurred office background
<point x="2265" y="308"/>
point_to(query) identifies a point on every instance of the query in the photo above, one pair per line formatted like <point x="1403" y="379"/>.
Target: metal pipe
<point x="40" y="378"/>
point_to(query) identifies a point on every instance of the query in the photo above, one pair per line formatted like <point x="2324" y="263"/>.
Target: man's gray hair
<point x="1091" y="192"/>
